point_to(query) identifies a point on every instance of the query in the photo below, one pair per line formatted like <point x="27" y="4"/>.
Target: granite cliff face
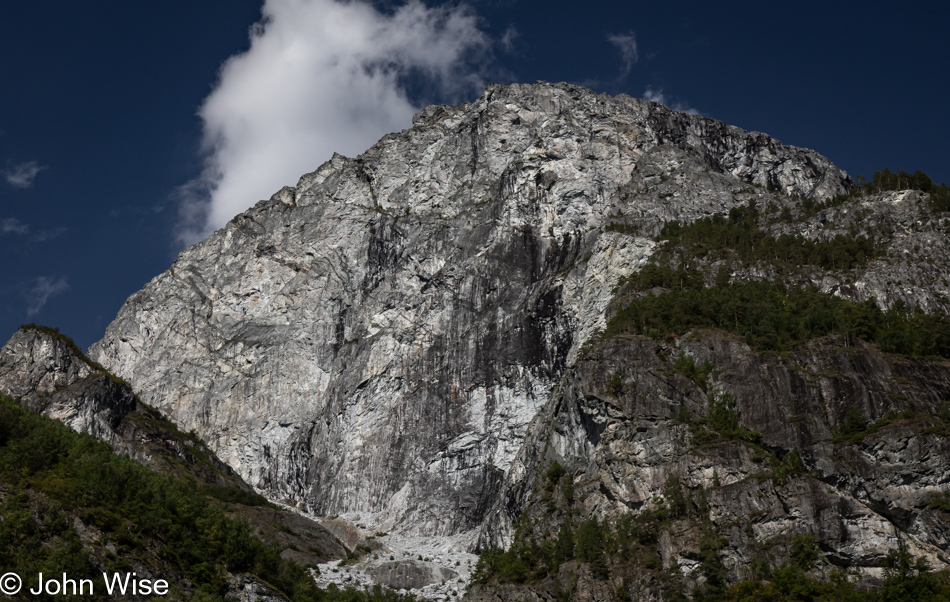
<point x="48" y="374"/>
<point x="375" y="341"/>
<point x="411" y="338"/>
<point x="619" y="421"/>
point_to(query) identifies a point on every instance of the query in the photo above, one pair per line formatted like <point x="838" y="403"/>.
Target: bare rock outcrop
<point x="375" y="341"/>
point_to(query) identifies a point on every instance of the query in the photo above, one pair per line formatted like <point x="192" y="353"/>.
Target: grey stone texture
<point x="375" y="341"/>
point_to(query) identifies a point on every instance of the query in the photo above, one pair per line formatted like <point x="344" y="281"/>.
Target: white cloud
<point x="654" y="96"/>
<point x="45" y="235"/>
<point x="509" y="38"/>
<point x="627" y="45"/>
<point x="320" y="76"/>
<point x="22" y="174"/>
<point x="12" y="225"/>
<point x="658" y="96"/>
<point x="42" y="290"/>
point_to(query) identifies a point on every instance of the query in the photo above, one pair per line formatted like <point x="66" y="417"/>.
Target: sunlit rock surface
<point x="374" y="342"/>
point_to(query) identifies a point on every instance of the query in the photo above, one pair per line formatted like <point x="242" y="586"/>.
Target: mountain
<point x="49" y="375"/>
<point x="444" y="278"/>
<point x="52" y="377"/>
<point x="663" y="307"/>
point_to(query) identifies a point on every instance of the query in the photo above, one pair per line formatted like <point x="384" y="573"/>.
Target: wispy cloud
<point x="660" y="97"/>
<point x="320" y="76"/>
<point x="627" y="45"/>
<point x="509" y="38"/>
<point x="12" y="225"/>
<point x="45" y="235"/>
<point x="22" y="175"/>
<point x="138" y="211"/>
<point x="42" y="289"/>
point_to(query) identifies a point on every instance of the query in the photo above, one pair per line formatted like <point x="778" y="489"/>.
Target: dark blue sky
<point x="102" y="99"/>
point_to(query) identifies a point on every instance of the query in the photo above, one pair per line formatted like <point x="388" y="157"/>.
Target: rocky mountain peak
<point x="51" y="376"/>
<point x="375" y="341"/>
<point x="37" y="364"/>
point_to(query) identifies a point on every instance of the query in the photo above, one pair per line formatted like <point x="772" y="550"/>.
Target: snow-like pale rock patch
<point x="435" y="553"/>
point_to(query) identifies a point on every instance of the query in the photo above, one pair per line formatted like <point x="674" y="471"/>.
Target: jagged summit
<point x="375" y="341"/>
<point x="407" y="338"/>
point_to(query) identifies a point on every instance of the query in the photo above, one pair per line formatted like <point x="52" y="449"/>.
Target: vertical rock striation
<point x="375" y="341"/>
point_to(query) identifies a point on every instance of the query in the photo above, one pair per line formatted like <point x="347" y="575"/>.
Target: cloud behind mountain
<point x="320" y="77"/>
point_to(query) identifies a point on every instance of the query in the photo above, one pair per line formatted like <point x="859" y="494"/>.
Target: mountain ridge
<point x="405" y="339"/>
<point x="553" y="189"/>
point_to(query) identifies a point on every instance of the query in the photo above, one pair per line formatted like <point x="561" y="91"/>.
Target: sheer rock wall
<point x="375" y="341"/>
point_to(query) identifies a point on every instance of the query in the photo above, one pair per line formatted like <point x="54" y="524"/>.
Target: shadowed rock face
<point x="623" y="421"/>
<point x="38" y="368"/>
<point x="375" y="341"/>
<point x="52" y="377"/>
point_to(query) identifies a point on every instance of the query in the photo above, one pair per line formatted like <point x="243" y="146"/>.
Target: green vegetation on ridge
<point x="769" y="315"/>
<point x="50" y="475"/>
<point x="886" y="180"/>
<point x="737" y="236"/>
<point x="883" y="180"/>
<point x="772" y="318"/>
<point x="626" y="549"/>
